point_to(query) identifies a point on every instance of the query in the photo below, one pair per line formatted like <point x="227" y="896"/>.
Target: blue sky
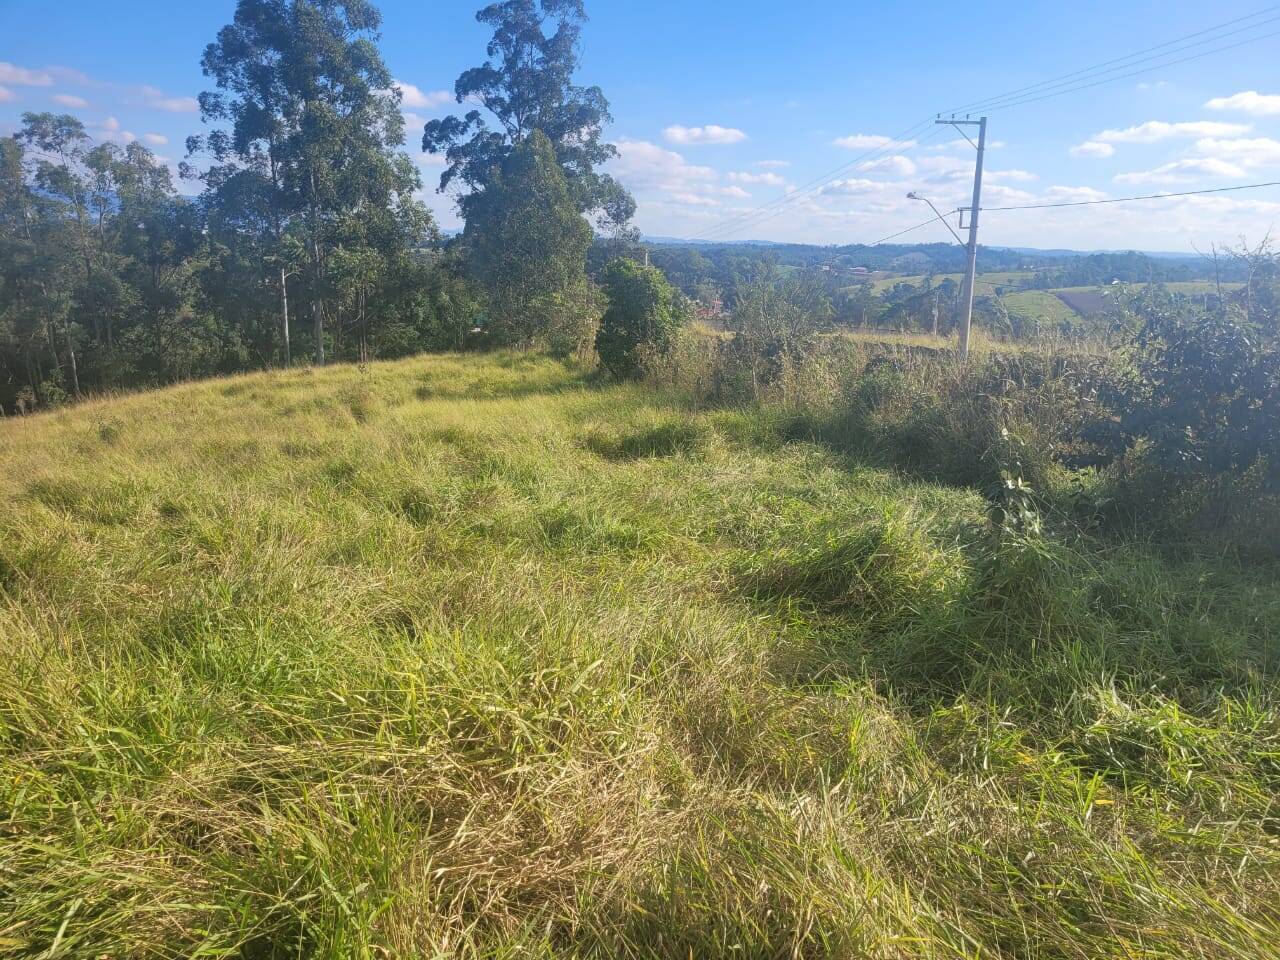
<point x="722" y="107"/>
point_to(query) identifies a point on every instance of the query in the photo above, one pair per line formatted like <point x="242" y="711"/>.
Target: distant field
<point x="989" y="280"/>
<point x="1041" y="305"/>
<point x="981" y="342"/>
<point x="1084" y="301"/>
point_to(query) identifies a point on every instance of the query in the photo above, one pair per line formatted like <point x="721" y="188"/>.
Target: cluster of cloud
<point x="146" y="96"/>
<point x="871" y="198"/>
<point x="1218" y="150"/>
<point x="711" y="134"/>
<point x="418" y="99"/>
<point x="872" y="141"/>
<point x="1250" y="101"/>
<point x="671" y="188"/>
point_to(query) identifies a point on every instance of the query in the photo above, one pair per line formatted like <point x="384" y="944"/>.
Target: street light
<point x="915" y="196"/>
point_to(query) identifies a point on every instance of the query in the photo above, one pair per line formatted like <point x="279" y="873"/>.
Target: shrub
<point x="642" y="317"/>
<point x="1204" y="390"/>
<point x="775" y="322"/>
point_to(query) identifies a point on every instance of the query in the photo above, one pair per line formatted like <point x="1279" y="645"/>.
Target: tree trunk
<point x="284" y="316"/>
<point x="317" y="323"/>
<point x="71" y="353"/>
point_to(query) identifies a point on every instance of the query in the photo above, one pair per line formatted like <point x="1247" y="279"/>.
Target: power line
<point x="1081" y="203"/>
<point x="1135" y="73"/>
<point x="782" y="204"/>
<point x="1152" y="196"/>
<point x="1083" y="79"/>
<point x="797" y="196"/>
<point x="897" y="142"/>
<point x="1121" y="63"/>
<point x="918" y="226"/>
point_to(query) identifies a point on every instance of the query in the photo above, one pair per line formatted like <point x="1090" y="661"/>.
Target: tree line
<point x="306" y="239"/>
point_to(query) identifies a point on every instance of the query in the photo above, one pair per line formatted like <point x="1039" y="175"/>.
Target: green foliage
<point x="528" y="86"/>
<point x="109" y="279"/>
<point x="1205" y="387"/>
<point x="641" y="319"/>
<point x="773" y="321"/>
<point x="310" y="157"/>
<point x="526" y="243"/>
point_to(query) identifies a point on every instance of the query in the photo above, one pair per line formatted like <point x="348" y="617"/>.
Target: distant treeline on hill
<point x="728" y="265"/>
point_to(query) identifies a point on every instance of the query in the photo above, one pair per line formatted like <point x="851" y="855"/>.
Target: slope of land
<point x="473" y="657"/>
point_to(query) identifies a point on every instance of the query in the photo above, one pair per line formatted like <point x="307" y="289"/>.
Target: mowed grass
<point x="464" y="657"/>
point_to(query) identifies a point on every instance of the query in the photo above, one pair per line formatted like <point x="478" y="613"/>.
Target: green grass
<point x="987" y="282"/>
<point x="1038" y="305"/>
<point x="462" y="657"/>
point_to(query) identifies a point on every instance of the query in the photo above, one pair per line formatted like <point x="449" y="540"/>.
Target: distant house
<point x="708" y="312"/>
<point x="860" y="272"/>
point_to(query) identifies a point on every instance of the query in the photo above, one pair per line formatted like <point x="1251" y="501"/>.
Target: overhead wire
<point x="874" y="154"/>
<point x="1083" y="79"/>
<point x="918" y="226"/>
<point x="1126" y="76"/>
<point x="1151" y="196"/>
<point x="1122" y="63"/>
<point x="812" y="192"/>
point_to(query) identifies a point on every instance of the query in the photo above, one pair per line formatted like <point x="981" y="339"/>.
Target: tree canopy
<point x="527" y="85"/>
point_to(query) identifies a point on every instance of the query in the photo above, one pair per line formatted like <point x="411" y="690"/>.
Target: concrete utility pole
<point x="971" y="268"/>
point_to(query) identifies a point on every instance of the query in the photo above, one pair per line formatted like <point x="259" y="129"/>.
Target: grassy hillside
<point x="987" y="282"/>
<point x="471" y="657"/>
<point x="1038" y="305"/>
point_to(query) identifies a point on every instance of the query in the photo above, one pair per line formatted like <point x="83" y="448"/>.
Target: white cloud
<point x="773" y="164"/>
<point x="710" y="134"/>
<point x="645" y="165"/>
<point x="871" y="141"/>
<point x="1250" y="101"/>
<point x="1183" y="171"/>
<point x="767" y="179"/>
<point x="69" y="100"/>
<point x="110" y="124"/>
<point x="1010" y="195"/>
<point x="7" y="95"/>
<point x="695" y="200"/>
<point x="1074" y="194"/>
<point x="423" y="99"/>
<point x="1017" y="176"/>
<point x="1154" y="131"/>
<point x="22" y="77"/>
<point x="966" y="146"/>
<point x="855" y="187"/>
<point x="736" y="192"/>
<point x="175" y="104"/>
<point x="1251" y="154"/>
<point x="897" y="165"/>
<point x="155" y="139"/>
<point x="1093" y="148"/>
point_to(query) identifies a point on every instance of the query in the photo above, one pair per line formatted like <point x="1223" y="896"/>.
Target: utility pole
<point x="971" y="267"/>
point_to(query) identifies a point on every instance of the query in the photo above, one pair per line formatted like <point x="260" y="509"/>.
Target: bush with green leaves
<point x="1204" y="390"/>
<point x="774" y="321"/>
<point x="643" y="316"/>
